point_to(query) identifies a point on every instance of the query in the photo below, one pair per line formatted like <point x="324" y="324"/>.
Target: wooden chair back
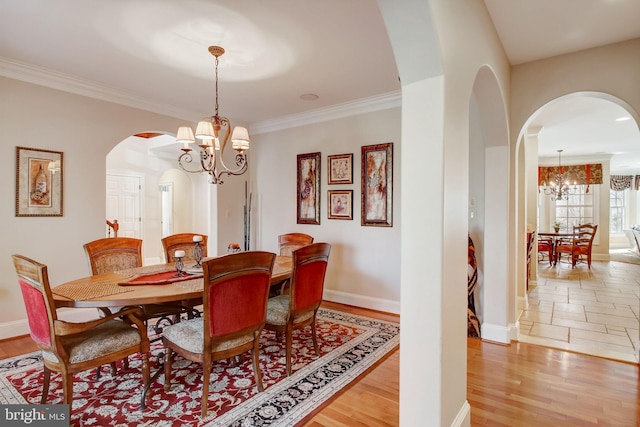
<point x="287" y="243"/>
<point x="184" y="242"/>
<point x="112" y="254"/>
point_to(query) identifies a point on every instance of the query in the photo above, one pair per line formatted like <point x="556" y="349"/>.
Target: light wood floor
<point x="515" y="385"/>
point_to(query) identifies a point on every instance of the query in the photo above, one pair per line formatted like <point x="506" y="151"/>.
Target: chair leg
<point x="288" y="345"/>
<point x="206" y="375"/>
<point x="45" y="385"/>
<point x="256" y="362"/>
<point x="314" y="336"/>
<point x="114" y="368"/>
<point x="167" y="369"/>
<point x="67" y="386"/>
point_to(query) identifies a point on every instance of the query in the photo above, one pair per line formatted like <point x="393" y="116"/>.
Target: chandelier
<point x="213" y="133"/>
<point x="559" y="189"/>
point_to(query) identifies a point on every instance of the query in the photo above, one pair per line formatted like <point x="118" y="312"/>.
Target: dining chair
<point x="69" y="347"/>
<point x="579" y="247"/>
<point x="110" y="255"/>
<point x="183" y="241"/>
<point x="236" y="288"/>
<point x="287" y="243"/>
<point x="531" y="237"/>
<point x="298" y="308"/>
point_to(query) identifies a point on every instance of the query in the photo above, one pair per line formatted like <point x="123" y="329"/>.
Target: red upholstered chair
<point x="298" y="309"/>
<point x="73" y="347"/>
<point x="236" y="288"/>
<point x="578" y="248"/>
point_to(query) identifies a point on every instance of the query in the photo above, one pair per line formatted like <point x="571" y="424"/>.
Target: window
<point x="616" y="207"/>
<point x="578" y="208"/>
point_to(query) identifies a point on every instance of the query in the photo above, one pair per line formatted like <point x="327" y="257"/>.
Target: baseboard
<point x="20" y="327"/>
<point x="500" y="334"/>
<point x="363" y="301"/>
<point x="464" y="416"/>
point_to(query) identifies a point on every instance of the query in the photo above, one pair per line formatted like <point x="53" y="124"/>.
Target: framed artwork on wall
<point x="308" y="190"/>
<point x="39" y="182"/>
<point x="377" y="185"/>
<point x="340" y="169"/>
<point x="340" y="204"/>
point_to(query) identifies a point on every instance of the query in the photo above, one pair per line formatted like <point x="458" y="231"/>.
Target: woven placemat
<point x="192" y="285"/>
<point x="149" y="269"/>
<point x="84" y="289"/>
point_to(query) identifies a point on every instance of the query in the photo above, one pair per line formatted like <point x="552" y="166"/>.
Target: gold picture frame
<point x="308" y="189"/>
<point x="340" y="169"/>
<point x="39" y="182"/>
<point x="377" y="185"/>
<point x="340" y="203"/>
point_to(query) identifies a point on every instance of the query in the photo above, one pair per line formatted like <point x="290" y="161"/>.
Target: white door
<point x="123" y="204"/>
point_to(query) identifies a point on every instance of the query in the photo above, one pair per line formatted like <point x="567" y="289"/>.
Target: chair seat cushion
<point x="278" y="311"/>
<point x="108" y="338"/>
<point x="189" y="335"/>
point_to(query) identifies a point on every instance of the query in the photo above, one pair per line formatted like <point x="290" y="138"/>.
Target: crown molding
<point x="52" y="79"/>
<point x="352" y="108"/>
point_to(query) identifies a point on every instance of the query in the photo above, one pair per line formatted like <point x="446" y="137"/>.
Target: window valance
<point x="622" y="182"/>
<point x="575" y="174"/>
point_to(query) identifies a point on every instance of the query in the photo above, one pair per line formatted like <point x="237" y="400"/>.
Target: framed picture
<point x="340" y="204"/>
<point x="39" y="177"/>
<point x="308" y="188"/>
<point x="341" y="169"/>
<point x="377" y="185"/>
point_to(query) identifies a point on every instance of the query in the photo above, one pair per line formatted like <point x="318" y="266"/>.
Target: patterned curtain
<point x="578" y="174"/>
<point x="621" y="182"/>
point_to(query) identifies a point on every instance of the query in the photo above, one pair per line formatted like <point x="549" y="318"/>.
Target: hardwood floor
<point x="507" y="385"/>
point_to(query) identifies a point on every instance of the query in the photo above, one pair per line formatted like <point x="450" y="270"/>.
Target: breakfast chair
<point x="74" y="347"/>
<point x="298" y="309"/>
<point x="578" y="248"/>
<point x="183" y="241"/>
<point x="545" y="249"/>
<point x="236" y="288"/>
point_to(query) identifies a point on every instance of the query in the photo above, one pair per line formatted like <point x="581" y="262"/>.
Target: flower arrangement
<point x="556" y="224"/>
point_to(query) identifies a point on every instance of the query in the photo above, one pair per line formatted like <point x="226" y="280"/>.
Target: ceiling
<point x="152" y="54"/>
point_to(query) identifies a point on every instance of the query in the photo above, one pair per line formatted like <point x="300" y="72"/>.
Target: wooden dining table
<point x="128" y="287"/>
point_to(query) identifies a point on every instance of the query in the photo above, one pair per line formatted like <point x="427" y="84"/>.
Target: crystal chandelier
<point x="214" y="133"/>
<point x="559" y="189"/>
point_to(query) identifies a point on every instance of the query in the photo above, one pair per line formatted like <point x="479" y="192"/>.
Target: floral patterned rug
<point x="348" y="344"/>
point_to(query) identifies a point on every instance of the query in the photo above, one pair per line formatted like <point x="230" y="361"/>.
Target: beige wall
<point x="85" y="130"/>
<point x="364" y="267"/>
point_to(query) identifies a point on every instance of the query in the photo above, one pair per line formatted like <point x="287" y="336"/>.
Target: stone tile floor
<point x="593" y="311"/>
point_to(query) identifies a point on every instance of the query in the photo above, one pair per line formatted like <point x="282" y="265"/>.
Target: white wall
<point x="364" y="267"/>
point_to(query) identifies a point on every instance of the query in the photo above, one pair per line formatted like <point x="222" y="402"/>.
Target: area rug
<point x="626" y="256"/>
<point x="349" y="344"/>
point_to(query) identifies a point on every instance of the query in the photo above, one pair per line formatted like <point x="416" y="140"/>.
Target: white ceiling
<point x="152" y="54"/>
